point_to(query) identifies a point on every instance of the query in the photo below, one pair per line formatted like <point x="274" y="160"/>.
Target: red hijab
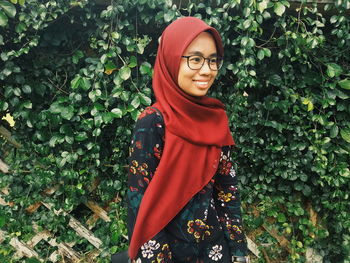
<point x="195" y="130"/>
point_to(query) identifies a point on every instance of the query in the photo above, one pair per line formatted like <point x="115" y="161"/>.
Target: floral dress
<point x="208" y="228"/>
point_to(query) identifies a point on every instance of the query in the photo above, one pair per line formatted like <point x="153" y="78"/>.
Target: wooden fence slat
<point x="23" y="249"/>
<point x="98" y="210"/>
<point x="63" y="249"/>
<point x="312" y="256"/>
<point x="84" y="232"/>
<point x="7" y="135"/>
<point x="78" y="227"/>
<point x="253" y="247"/>
<point x="4" y="167"/>
<point x="37" y="238"/>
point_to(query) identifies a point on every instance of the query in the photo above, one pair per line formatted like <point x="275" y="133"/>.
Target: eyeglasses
<point x="196" y="62"/>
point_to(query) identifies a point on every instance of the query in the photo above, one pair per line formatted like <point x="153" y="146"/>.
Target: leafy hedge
<point x="76" y="74"/>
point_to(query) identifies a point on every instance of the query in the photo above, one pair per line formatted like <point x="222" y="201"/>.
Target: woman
<point x="183" y="202"/>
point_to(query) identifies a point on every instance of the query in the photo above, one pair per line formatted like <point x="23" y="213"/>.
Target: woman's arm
<point x="228" y="204"/>
<point x="145" y="153"/>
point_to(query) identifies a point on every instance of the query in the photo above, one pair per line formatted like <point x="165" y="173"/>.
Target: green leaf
<point x="107" y="117"/>
<point x="345" y="84"/>
<point x="2" y="220"/>
<point x="244" y="41"/>
<point x="8" y="8"/>
<point x="281" y="218"/>
<point x="132" y="62"/>
<point x="125" y="95"/>
<point x="169" y="15"/>
<point x="334" y="131"/>
<point x="67" y="112"/>
<point x="125" y="73"/>
<point x="96" y="132"/>
<point x="56" y="107"/>
<point x="135" y="114"/>
<point x="117" y="112"/>
<point x="345" y="172"/>
<point x="261" y="54"/>
<point x="80" y="136"/>
<point x="247" y="23"/>
<point x="75" y="82"/>
<point x="333" y="19"/>
<point x="146" y="68"/>
<point x="110" y="67"/>
<point x="333" y="70"/>
<point x="115" y="35"/>
<point x="85" y="83"/>
<point x="279" y="9"/>
<point x="3" y="19"/>
<point x="275" y="80"/>
<point x="20" y="27"/>
<point x="3" y="105"/>
<point x="345" y="134"/>
<point x="27" y="89"/>
<point x="262" y="6"/>
<point x="267" y="52"/>
<point x="27" y="105"/>
<point x="145" y="100"/>
<point x="77" y="56"/>
<point x="310" y="106"/>
<point x="66" y="129"/>
<point x="135" y="102"/>
<point x="1" y="40"/>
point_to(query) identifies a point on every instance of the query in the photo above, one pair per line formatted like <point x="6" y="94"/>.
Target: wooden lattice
<point x="65" y="251"/>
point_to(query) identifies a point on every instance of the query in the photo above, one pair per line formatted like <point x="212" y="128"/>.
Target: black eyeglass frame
<point x="208" y="59"/>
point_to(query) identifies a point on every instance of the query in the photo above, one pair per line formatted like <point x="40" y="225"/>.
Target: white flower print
<point x="205" y="214"/>
<point x="223" y="157"/>
<point x="147" y="248"/>
<point x="215" y="253"/>
<point x="232" y="172"/>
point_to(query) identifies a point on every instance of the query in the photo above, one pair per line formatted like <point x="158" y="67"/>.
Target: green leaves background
<point x="76" y="74"/>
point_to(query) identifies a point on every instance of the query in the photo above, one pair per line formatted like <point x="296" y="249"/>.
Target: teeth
<point x="202" y="82"/>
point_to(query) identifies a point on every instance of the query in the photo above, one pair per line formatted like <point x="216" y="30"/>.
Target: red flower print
<point x="133" y="189"/>
<point x="138" y="145"/>
<point x="225" y="167"/>
<point x="157" y="151"/>
<point x="233" y="230"/>
<point x="146" y="112"/>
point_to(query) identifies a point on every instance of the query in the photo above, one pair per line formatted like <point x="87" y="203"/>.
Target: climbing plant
<point x="75" y="75"/>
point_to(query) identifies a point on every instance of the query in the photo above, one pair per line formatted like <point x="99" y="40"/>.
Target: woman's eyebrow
<point x="201" y="54"/>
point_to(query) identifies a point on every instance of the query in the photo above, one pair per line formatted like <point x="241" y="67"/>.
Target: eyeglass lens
<point x="197" y="62"/>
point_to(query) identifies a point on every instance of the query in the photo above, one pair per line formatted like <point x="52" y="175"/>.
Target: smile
<point x="202" y="83"/>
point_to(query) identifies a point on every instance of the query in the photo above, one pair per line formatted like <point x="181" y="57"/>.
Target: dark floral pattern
<point x="208" y="228"/>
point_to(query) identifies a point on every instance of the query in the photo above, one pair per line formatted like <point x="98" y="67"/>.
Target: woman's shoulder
<point x="149" y="117"/>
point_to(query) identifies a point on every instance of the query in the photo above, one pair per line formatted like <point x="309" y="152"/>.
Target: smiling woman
<point x="180" y="165"/>
<point x="195" y="76"/>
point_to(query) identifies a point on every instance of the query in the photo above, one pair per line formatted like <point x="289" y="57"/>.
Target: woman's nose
<point x="205" y="70"/>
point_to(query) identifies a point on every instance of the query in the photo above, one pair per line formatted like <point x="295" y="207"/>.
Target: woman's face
<point x="197" y="82"/>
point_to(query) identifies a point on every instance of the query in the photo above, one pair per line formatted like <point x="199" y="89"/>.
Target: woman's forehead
<point x="204" y="43"/>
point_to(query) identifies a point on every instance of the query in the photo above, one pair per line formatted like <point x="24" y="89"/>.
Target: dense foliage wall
<point x="75" y="75"/>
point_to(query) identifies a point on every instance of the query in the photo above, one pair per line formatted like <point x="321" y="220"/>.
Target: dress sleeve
<point x="228" y="204"/>
<point x="145" y="153"/>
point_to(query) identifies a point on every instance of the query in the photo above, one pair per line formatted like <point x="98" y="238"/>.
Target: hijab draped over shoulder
<point x="196" y="128"/>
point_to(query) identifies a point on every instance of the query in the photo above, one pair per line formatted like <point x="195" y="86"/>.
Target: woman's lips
<point x="201" y="84"/>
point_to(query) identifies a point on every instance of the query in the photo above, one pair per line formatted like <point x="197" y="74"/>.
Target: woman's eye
<point x="196" y="59"/>
<point x="214" y="60"/>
